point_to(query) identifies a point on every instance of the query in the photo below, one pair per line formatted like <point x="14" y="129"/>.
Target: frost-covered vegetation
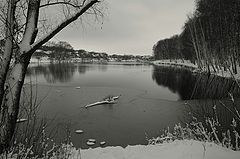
<point x="206" y="129"/>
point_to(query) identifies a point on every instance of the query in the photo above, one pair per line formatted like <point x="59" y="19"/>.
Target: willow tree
<point x="23" y="23"/>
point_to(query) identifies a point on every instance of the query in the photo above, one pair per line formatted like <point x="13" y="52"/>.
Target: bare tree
<point x="21" y="21"/>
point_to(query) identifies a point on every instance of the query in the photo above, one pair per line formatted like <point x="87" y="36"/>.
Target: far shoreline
<point x="94" y="62"/>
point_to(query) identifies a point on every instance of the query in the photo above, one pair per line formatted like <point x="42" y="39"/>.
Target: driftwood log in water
<point x="109" y="100"/>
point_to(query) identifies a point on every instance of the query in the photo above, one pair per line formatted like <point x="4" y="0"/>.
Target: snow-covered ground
<point x="180" y="63"/>
<point x="194" y="67"/>
<point x="184" y="149"/>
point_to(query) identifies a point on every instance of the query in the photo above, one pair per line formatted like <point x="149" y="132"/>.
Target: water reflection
<point x="62" y="72"/>
<point x="194" y="86"/>
<point x="59" y="72"/>
<point x="82" y="69"/>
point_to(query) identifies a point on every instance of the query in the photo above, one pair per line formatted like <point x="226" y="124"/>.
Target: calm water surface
<point x="151" y="99"/>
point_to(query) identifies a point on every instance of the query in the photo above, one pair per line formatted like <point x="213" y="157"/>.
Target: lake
<point x="152" y="99"/>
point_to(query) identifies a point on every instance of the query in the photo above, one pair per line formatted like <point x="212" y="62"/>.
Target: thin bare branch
<point x="63" y="2"/>
<point x="66" y="22"/>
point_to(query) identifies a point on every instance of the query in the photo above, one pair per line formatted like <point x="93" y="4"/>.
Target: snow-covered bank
<point x="193" y="67"/>
<point x="176" y="63"/>
<point x="185" y="149"/>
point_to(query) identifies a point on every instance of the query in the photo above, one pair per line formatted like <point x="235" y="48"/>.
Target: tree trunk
<point x="10" y="106"/>
<point x="8" y="50"/>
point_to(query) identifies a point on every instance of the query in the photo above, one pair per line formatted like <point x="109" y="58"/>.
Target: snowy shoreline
<point x="179" y="149"/>
<point x="186" y="64"/>
<point x="176" y="63"/>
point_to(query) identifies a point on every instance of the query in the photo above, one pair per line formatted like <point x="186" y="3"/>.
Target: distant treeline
<point x="64" y="51"/>
<point x="210" y="37"/>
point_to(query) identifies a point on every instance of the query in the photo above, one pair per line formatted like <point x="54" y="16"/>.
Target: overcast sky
<point x="130" y="26"/>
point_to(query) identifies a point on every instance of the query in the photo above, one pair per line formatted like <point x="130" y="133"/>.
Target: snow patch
<point x="184" y="149"/>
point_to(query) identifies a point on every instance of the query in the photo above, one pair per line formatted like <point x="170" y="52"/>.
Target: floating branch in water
<point x="108" y="100"/>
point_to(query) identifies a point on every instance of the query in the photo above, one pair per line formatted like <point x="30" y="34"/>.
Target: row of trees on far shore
<point x="63" y="51"/>
<point x="210" y="37"/>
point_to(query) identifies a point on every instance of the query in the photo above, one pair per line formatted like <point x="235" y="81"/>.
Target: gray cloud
<point x="131" y="26"/>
